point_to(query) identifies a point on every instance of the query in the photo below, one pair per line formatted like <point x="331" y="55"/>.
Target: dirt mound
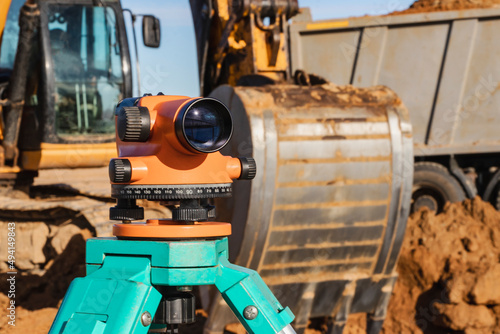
<point x="37" y="297"/>
<point x="449" y="272"/>
<point x="423" y="6"/>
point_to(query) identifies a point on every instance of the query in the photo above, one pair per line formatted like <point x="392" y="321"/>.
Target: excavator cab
<point x="61" y="87"/>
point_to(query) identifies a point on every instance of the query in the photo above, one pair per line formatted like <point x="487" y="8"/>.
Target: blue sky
<point x="172" y="68"/>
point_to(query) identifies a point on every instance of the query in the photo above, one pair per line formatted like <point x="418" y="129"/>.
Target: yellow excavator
<point x="63" y="68"/>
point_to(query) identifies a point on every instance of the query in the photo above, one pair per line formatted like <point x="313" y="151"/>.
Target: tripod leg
<point x="251" y="300"/>
<point x="117" y="298"/>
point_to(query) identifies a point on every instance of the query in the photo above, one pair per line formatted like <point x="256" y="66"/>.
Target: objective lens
<point x="206" y="125"/>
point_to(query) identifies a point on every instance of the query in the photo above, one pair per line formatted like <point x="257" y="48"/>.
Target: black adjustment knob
<point x="133" y="124"/>
<point x="126" y="209"/>
<point x="248" y="169"/>
<point x="190" y="214"/>
<point x="193" y="214"/>
<point x="120" y="170"/>
<point x="116" y="213"/>
<point x="193" y="211"/>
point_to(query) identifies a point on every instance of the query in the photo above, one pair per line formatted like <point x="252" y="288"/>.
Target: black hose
<point x="28" y="23"/>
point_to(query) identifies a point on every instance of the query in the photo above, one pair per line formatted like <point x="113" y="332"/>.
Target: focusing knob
<point x="120" y="170"/>
<point x="248" y="169"/>
<point x="133" y="124"/>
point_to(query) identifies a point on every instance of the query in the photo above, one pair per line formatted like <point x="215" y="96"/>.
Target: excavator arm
<point x="240" y="41"/>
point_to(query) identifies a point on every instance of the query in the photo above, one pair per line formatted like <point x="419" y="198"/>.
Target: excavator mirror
<point x="151" y="31"/>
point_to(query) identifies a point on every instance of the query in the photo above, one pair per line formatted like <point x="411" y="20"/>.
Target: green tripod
<point x="147" y="290"/>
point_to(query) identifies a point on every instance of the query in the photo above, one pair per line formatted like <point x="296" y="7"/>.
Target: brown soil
<point x="33" y="322"/>
<point x="422" y="6"/>
<point x="37" y="297"/>
<point x="449" y="272"/>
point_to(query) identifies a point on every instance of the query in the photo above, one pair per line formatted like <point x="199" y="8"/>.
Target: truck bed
<point x="445" y="66"/>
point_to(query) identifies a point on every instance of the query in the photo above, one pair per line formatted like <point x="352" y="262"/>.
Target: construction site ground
<point x="449" y="271"/>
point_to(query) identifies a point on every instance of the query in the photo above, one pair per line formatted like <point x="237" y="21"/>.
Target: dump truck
<point x="444" y="66"/>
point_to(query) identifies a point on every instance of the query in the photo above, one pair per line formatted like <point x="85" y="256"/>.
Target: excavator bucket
<point x="324" y="219"/>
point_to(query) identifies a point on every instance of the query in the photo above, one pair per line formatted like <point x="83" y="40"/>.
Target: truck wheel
<point x="433" y="186"/>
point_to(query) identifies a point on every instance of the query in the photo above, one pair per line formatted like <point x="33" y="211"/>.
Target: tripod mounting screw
<point x="250" y="312"/>
<point x="146" y="319"/>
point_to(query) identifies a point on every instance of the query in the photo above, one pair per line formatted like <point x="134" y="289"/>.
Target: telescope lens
<point x="207" y="125"/>
<point x="203" y="126"/>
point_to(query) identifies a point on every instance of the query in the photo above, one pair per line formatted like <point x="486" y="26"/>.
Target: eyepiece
<point x="204" y="125"/>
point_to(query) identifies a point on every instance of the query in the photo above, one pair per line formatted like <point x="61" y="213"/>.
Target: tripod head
<point x="168" y="148"/>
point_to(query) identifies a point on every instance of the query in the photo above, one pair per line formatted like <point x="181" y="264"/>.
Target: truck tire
<point x="433" y="186"/>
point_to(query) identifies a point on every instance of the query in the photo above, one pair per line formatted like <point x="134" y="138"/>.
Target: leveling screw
<point x="146" y="319"/>
<point x="250" y="312"/>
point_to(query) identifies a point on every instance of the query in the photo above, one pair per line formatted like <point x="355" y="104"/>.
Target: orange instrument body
<point x="168" y="150"/>
<point x="162" y="159"/>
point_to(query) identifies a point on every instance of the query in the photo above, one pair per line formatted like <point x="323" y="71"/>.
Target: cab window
<point x="87" y="67"/>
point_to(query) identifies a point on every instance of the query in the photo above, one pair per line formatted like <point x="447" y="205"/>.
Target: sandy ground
<point x="449" y="272"/>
